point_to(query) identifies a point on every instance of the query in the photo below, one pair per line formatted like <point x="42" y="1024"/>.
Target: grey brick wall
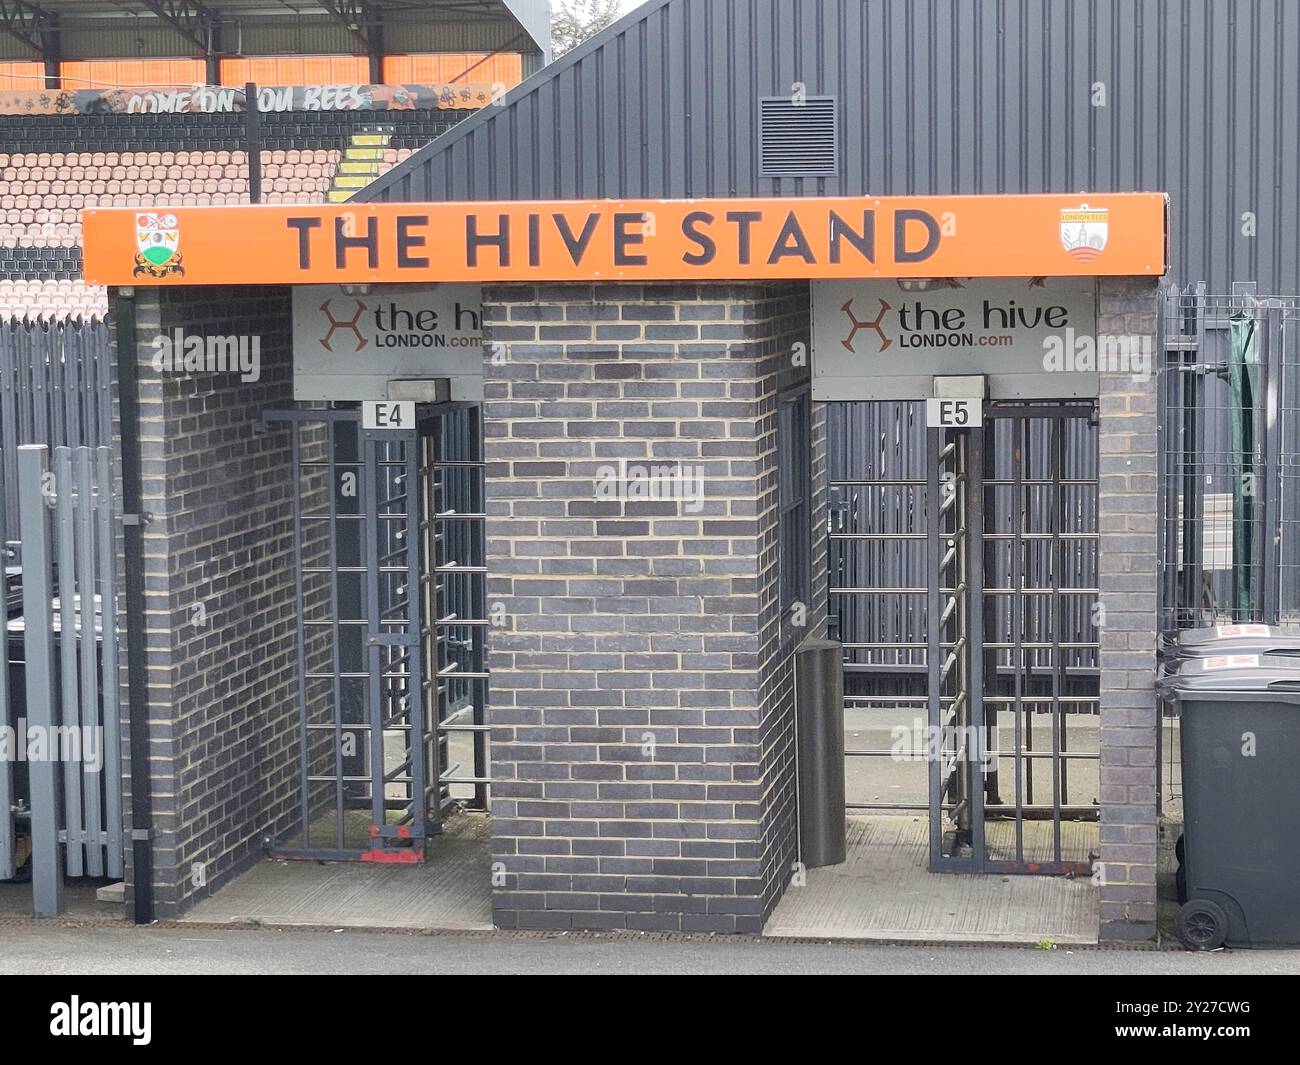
<point x="639" y="701"/>
<point x="221" y="710"/>
<point x="1129" y="717"/>
<point x="781" y="632"/>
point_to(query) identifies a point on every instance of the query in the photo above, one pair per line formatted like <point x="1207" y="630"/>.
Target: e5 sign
<point x="954" y="413"/>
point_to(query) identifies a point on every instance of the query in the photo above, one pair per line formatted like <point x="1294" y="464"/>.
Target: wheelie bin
<point x="1240" y="723"/>
<point x="1229" y="640"/>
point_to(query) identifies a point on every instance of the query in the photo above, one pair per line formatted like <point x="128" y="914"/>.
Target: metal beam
<point x="375" y="32"/>
<point x="360" y="19"/>
<point x="52" y="44"/>
<point x="27" y="23"/>
<point x="191" y="20"/>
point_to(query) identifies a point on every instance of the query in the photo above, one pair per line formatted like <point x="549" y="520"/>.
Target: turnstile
<point x="1012" y="640"/>
<point x="390" y="603"/>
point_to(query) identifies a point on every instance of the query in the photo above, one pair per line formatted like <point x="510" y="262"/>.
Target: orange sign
<point x="646" y="240"/>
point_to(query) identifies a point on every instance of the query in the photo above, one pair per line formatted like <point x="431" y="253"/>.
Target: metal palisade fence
<point x="55" y="389"/>
<point x="60" y="778"/>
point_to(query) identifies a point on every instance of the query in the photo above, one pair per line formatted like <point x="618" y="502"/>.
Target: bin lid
<point x="1215" y="675"/>
<point x="1237" y="640"/>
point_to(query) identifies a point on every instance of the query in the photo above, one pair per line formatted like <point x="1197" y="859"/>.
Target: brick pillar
<point x="640" y="698"/>
<point x="1128" y="566"/>
<point x="219" y="578"/>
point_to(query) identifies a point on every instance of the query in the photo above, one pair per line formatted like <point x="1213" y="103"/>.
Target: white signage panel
<point x="348" y="344"/>
<point x="888" y="339"/>
<point x="393" y="417"/>
<point x="954" y="413"/>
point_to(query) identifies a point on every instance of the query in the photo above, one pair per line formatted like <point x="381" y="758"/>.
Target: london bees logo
<point x="1085" y="231"/>
<point x="157" y="243"/>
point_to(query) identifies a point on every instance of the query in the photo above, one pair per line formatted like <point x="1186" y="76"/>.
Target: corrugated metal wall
<point x="1200" y="98"/>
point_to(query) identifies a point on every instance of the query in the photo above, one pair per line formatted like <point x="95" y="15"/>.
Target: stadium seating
<point x="54" y="166"/>
<point x="49" y="300"/>
<point x="393" y="156"/>
<point x="42" y="194"/>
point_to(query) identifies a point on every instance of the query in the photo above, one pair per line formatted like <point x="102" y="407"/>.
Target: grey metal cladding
<point x="1199" y="98"/>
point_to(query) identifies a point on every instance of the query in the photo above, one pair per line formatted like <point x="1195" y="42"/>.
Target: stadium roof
<point x="51" y="30"/>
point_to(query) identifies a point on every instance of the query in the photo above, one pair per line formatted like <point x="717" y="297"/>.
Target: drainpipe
<point x="128" y="383"/>
<point x="253" y="142"/>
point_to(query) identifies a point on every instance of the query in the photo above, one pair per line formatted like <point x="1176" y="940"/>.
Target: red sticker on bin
<point x="1231" y="632"/>
<point x="1231" y="662"/>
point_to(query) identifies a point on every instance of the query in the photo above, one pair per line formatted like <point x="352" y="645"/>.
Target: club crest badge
<point x="157" y="244"/>
<point x="1085" y="231"/>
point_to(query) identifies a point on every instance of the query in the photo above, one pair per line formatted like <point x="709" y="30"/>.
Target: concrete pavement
<point x="30" y="947"/>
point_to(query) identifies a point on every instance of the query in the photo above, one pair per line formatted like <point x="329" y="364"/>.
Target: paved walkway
<point x="31" y="947"/>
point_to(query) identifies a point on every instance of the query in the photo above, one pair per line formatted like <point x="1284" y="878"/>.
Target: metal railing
<point x="69" y="800"/>
<point x="1229" y="419"/>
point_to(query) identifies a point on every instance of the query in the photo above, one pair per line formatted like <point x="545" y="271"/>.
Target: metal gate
<point x="958" y="736"/>
<point x="975" y="587"/>
<point x="60" y="781"/>
<point x="390" y="602"/>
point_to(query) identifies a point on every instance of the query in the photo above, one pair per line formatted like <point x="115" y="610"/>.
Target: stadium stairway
<point x="362" y="161"/>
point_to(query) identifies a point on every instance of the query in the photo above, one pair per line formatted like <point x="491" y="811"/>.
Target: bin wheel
<point x="1180" y="849"/>
<point x="1201" y="925"/>
<point x="1180" y="879"/>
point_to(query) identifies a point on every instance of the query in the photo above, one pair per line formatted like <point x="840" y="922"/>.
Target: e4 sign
<point x="393" y="417"/>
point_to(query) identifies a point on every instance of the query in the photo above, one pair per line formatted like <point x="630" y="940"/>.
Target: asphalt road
<point x="44" y="949"/>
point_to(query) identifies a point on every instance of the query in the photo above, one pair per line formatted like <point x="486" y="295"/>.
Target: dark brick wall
<point x="222" y="717"/>
<point x="784" y="369"/>
<point x="1130" y="724"/>
<point x="639" y="704"/>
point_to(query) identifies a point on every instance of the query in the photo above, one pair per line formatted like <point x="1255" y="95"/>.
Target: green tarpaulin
<point x="1243" y="384"/>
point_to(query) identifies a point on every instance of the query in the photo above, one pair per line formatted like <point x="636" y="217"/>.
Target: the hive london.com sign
<point x="349" y="343"/>
<point x="889" y="339"/>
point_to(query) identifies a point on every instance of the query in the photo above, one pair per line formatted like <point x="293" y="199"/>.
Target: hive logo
<point x="157" y="245"/>
<point x="1085" y="232"/>
<point x="876" y="325"/>
<point x="352" y="325"/>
